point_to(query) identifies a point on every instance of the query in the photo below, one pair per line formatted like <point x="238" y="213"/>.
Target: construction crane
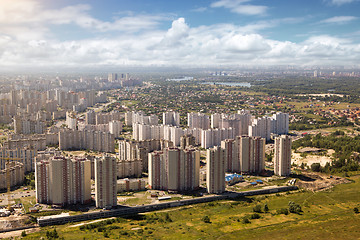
<point x="8" y="178"/>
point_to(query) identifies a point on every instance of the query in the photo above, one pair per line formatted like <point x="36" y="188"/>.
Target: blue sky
<point x="200" y="33"/>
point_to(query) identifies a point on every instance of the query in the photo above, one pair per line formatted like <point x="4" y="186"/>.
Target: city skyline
<point x="86" y="34"/>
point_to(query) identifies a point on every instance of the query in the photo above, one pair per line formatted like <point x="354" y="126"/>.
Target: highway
<point x="124" y="211"/>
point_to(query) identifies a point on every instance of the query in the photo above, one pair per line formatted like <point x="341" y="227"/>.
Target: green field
<point x="326" y="215"/>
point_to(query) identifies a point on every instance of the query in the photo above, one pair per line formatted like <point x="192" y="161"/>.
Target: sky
<point x="40" y="34"/>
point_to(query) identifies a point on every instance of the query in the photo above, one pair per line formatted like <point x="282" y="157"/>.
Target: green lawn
<point x="326" y="215"/>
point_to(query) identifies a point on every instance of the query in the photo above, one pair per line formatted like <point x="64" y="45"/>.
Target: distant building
<point x="105" y="182"/>
<point x="25" y="155"/>
<point x="187" y="141"/>
<point x="282" y="155"/>
<point x="26" y="126"/>
<point x="112" y="77"/>
<point x="126" y="185"/>
<point x="281" y="125"/>
<point x="198" y="120"/>
<point x="16" y="170"/>
<point x="129" y="168"/>
<point x="215" y="172"/>
<point x="71" y="120"/>
<point x="92" y="140"/>
<point x="171" y="118"/>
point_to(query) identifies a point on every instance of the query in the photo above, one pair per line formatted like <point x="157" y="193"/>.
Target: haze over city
<point x="38" y="34"/>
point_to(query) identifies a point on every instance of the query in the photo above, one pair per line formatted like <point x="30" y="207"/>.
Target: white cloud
<point x="341" y="2"/>
<point x="240" y="7"/>
<point x="200" y="9"/>
<point x="339" y="19"/>
<point x="28" y="19"/>
<point x="27" y="40"/>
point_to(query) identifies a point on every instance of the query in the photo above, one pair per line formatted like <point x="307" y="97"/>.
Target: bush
<point x="23" y="233"/>
<point x="245" y="220"/>
<point x="282" y="211"/>
<point x="257" y="209"/>
<point x="294" y="207"/>
<point x="167" y="218"/>
<point x="255" y="216"/>
<point x="206" y="219"/>
<point x="52" y="234"/>
<point x="316" y="167"/>
<point x="266" y="208"/>
<point x="356" y="210"/>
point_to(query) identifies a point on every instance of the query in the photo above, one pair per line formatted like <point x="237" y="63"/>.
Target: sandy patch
<point x="310" y="159"/>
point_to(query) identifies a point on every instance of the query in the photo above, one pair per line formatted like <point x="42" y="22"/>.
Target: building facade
<point x="215" y="171"/>
<point x="105" y="182"/>
<point x="174" y="169"/>
<point x="282" y="155"/>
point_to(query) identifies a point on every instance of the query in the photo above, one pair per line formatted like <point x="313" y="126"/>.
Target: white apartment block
<point x="92" y="140"/>
<point x="215" y="171"/>
<point x="174" y="169"/>
<point x="71" y="120"/>
<point x="282" y="155"/>
<point x="239" y="122"/>
<point x="26" y="126"/>
<point x="105" y="182"/>
<point x="198" y="120"/>
<point x="262" y="127"/>
<point x="129" y="150"/>
<point x="281" y="125"/>
<point x="105" y="118"/>
<point x="213" y="137"/>
<point x="139" y="117"/>
<point x="215" y="120"/>
<point x="171" y="118"/>
<point x="115" y="128"/>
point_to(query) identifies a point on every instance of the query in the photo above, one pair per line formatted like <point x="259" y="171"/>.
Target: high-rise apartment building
<point x="281" y="124"/>
<point x="198" y="120"/>
<point x="262" y="127"/>
<point x="232" y="163"/>
<point x="215" y="171"/>
<point x="171" y="118"/>
<point x="88" y="139"/>
<point x="105" y="182"/>
<point x="251" y="154"/>
<point x="174" y="169"/>
<point x="63" y="181"/>
<point x="282" y="155"/>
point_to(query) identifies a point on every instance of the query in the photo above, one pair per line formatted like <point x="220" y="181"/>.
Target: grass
<point x="326" y="215"/>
